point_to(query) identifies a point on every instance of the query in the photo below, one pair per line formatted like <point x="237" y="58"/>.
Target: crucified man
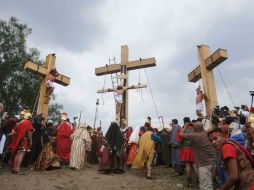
<point x="50" y="84"/>
<point x="119" y="96"/>
<point x="199" y="102"/>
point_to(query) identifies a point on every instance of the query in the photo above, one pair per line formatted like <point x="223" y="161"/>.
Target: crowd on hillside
<point x="217" y="150"/>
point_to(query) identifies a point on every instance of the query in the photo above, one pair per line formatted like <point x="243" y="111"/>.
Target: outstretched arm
<point x="106" y="90"/>
<point x="111" y="89"/>
<point x="129" y="87"/>
<point x="135" y="86"/>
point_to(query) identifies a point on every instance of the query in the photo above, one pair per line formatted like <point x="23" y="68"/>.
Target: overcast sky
<point x="84" y="34"/>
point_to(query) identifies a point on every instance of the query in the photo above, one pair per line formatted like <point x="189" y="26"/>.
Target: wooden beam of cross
<point x="114" y="89"/>
<point x="207" y="62"/>
<point x="44" y="72"/>
<point x="132" y="65"/>
<point x="123" y="68"/>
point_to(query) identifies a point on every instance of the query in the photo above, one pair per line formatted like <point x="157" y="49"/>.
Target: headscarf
<point x="27" y="115"/>
<point x="114" y="139"/>
<point x="64" y="116"/>
<point x="134" y="138"/>
<point x="82" y="125"/>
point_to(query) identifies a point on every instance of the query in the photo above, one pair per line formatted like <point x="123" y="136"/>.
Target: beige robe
<point x="81" y="141"/>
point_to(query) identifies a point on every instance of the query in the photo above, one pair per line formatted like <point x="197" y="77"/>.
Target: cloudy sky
<point x="84" y="34"/>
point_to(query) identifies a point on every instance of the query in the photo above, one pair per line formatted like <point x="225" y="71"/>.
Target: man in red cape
<point x="22" y="142"/>
<point x="63" y="145"/>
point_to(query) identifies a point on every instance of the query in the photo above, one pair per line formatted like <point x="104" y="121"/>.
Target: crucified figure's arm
<point x="110" y="89"/>
<point x="128" y="87"/>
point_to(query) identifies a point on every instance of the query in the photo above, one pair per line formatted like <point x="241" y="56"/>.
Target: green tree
<point x="18" y="88"/>
<point x="55" y="110"/>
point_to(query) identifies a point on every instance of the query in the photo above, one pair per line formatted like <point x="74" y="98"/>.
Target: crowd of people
<point x="213" y="152"/>
<point x="26" y="141"/>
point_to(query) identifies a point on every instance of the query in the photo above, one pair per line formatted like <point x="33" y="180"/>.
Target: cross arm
<point x="108" y="69"/>
<point x="194" y="75"/>
<point x="125" y="88"/>
<point x="106" y="90"/>
<point x="211" y="62"/>
<point x="141" y="63"/>
<point x="136" y="86"/>
<point x="63" y="80"/>
<point x="132" y="65"/>
<point x="30" y="66"/>
<point x="216" y="58"/>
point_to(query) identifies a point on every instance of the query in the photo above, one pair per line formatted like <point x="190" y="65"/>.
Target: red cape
<point x="63" y="145"/>
<point x="20" y="132"/>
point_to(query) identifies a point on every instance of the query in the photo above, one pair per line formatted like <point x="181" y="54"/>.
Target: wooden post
<point x="124" y="72"/>
<point x="204" y="71"/>
<point x="123" y="68"/>
<point x="44" y="72"/>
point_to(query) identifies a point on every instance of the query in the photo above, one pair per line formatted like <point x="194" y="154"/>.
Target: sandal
<point x="21" y="173"/>
<point x="14" y="172"/>
<point x="175" y="175"/>
<point x="150" y="177"/>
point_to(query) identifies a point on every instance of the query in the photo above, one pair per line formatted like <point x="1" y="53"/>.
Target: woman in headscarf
<point x="112" y="151"/>
<point x="81" y="141"/>
<point x="133" y="143"/>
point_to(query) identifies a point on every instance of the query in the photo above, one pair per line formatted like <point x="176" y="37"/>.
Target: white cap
<point x="50" y="121"/>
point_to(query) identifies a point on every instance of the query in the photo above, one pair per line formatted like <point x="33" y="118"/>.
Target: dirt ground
<point x="90" y="179"/>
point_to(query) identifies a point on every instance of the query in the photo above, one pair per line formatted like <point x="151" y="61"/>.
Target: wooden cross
<point x="44" y="72"/>
<point x="204" y="71"/>
<point x="123" y="68"/>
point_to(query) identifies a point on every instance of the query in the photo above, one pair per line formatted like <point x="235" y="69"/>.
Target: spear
<point x="96" y="111"/>
<point x="80" y="114"/>
<point x="162" y="121"/>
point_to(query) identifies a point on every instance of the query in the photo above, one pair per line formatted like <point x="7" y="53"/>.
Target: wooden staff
<point x="96" y="111"/>
<point x="79" y="118"/>
<point x="162" y="121"/>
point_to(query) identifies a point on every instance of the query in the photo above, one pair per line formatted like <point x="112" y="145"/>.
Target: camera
<point x="217" y="111"/>
<point x="221" y="111"/>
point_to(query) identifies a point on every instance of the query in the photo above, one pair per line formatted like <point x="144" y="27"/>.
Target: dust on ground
<point x="90" y="179"/>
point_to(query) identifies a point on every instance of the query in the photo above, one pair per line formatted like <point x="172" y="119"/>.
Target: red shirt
<point x="228" y="151"/>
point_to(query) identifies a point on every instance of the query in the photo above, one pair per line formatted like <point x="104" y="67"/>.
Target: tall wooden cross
<point x="123" y="68"/>
<point x="44" y="72"/>
<point x="207" y="62"/>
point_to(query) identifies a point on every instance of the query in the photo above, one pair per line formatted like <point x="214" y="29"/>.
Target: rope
<point x="152" y="97"/>
<point x="36" y="101"/>
<point x="104" y="82"/>
<point x="226" y="87"/>
<point x="141" y="92"/>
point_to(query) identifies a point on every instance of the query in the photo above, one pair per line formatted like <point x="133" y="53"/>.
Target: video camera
<point x="221" y="111"/>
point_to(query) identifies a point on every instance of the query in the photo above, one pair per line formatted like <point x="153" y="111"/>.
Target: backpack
<point x="243" y="149"/>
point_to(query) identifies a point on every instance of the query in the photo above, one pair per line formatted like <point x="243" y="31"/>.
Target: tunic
<point x="81" y="142"/>
<point x="63" y="146"/>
